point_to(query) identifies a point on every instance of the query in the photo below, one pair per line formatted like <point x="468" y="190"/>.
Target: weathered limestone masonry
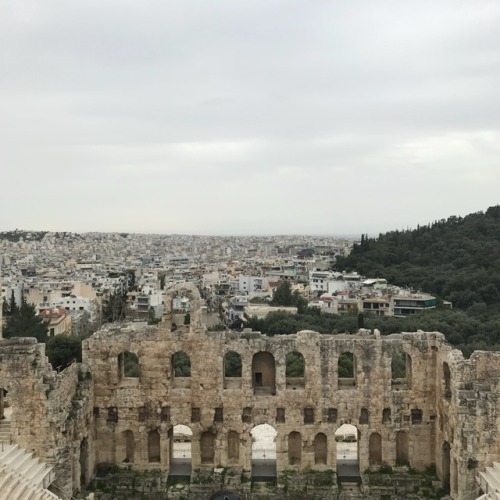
<point x="440" y="409"/>
<point x="468" y="414"/>
<point x="444" y="411"/>
<point x="51" y="412"/>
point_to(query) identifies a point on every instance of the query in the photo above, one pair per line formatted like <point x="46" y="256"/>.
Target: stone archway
<point x="263" y="373"/>
<point x="375" y="449"/>
<point x="181" y="437"/>
<point x="263" y="452"/>
<point x="191" y="291"/>
<point x="320" y="449"/>
<point x="347" y="438"/>
<point x="402" y="455"/>
<point x="154" y="446"/>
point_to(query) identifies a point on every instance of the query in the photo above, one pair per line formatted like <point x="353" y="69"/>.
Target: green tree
<point x="187" y="319"/>
<point x="115" y="308"/>
<point x="25" y="323"/>
<point x="63" y="349"/>
<point x="162" y="281"/>
<point x="13" y="308"/>
<point x="131" y="280"/>
<point x="152" y="319"/>
<point x="283" y="295"/>
<point x="361" y="320"/>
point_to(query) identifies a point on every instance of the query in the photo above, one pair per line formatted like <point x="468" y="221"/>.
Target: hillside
<point x="457" y="259"/>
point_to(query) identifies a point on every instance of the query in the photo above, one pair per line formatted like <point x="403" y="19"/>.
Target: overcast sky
<point x="247" y="117"/>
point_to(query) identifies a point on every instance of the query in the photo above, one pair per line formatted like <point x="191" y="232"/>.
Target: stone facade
<point x="438" y="409"/>
<point x="51" y="412"/>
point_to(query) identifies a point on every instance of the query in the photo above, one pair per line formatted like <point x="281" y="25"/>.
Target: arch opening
<point x="207" y="447"/>
<point x="264" y="373"/>
<point x="154" y="450"/>
<point x="128" y="365"/>
<point x="181" y="370"/>
<point x="375" y="449"/>
<point x="128" y="447"/>
<point x="233" y="447"/>
<point x="401" y="370"/>
<point x="346" y="370"/>
<point x="294" y="448"/>
<point x="263" y="452"/>
<point x="295" y="370"/>
<point x="320" y="449"/>
<point x="188" y="291"/>
<point x="347" y="438"/>
<point x="232" y="370"/>
<point x="181" y="437"/>
<point x="402" y="455"/>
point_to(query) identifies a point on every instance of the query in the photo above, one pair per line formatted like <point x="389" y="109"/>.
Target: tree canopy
<point x="22" y="321"/>
<point x="62" y="350"/>
<point x="457" y="259"/>
<point x="283" y="296"/>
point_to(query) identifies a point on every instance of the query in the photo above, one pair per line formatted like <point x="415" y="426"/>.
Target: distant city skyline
<point x="247" y="118"/>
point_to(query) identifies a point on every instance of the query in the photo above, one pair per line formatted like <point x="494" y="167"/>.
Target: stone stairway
<point x="489" y="482"/>
<point x="22" y="476"/>
<point x="5" y="431"/>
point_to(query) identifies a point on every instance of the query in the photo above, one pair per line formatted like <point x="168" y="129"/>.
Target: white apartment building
<point x="252" y="284"/>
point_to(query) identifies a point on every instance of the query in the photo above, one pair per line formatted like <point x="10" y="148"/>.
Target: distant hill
<point x="457" y="259"/>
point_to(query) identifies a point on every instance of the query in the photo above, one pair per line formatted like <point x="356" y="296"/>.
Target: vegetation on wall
<point x="63" y="350"/>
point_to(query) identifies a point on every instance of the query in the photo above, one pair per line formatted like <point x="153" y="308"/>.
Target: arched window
<point x="263" y="451"/>
<point x="207" y="447"/>
<point x="128" y="365"/>
<point x="263" y="373"/>
<point x="402" y="448"/>
<point x="364" y="416"/>
<point x="386" y="416"/>
<point x="233" y="446"/>
<point x="128" y="446"/>
<point x="320" y="449"/>
<point x="232" y="370"/>
<point x="180" y="450"/>
<point x="295" y="370"/>
<point x="347" y="370"/>
<point x="294" y="448"/>
<point x="375" y="449"/>
<point x="154" y="453"/>
<point x="401" y="370"/>
<point x="232" y="364"/>
<point x="181" y="369"/>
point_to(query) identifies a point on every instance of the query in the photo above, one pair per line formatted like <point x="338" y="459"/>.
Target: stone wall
<point x="51" y="412"/>
<point x="441" y="410"/>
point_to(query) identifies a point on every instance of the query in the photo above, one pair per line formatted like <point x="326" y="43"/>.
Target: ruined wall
<point x="125" y="404"/>
<point x="468" y="412"/>
<point x="443" y="410"/>
<point x="50" y="411"/>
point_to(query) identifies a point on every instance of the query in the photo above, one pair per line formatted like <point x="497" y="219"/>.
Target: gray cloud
<point x="247" y="117"/>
